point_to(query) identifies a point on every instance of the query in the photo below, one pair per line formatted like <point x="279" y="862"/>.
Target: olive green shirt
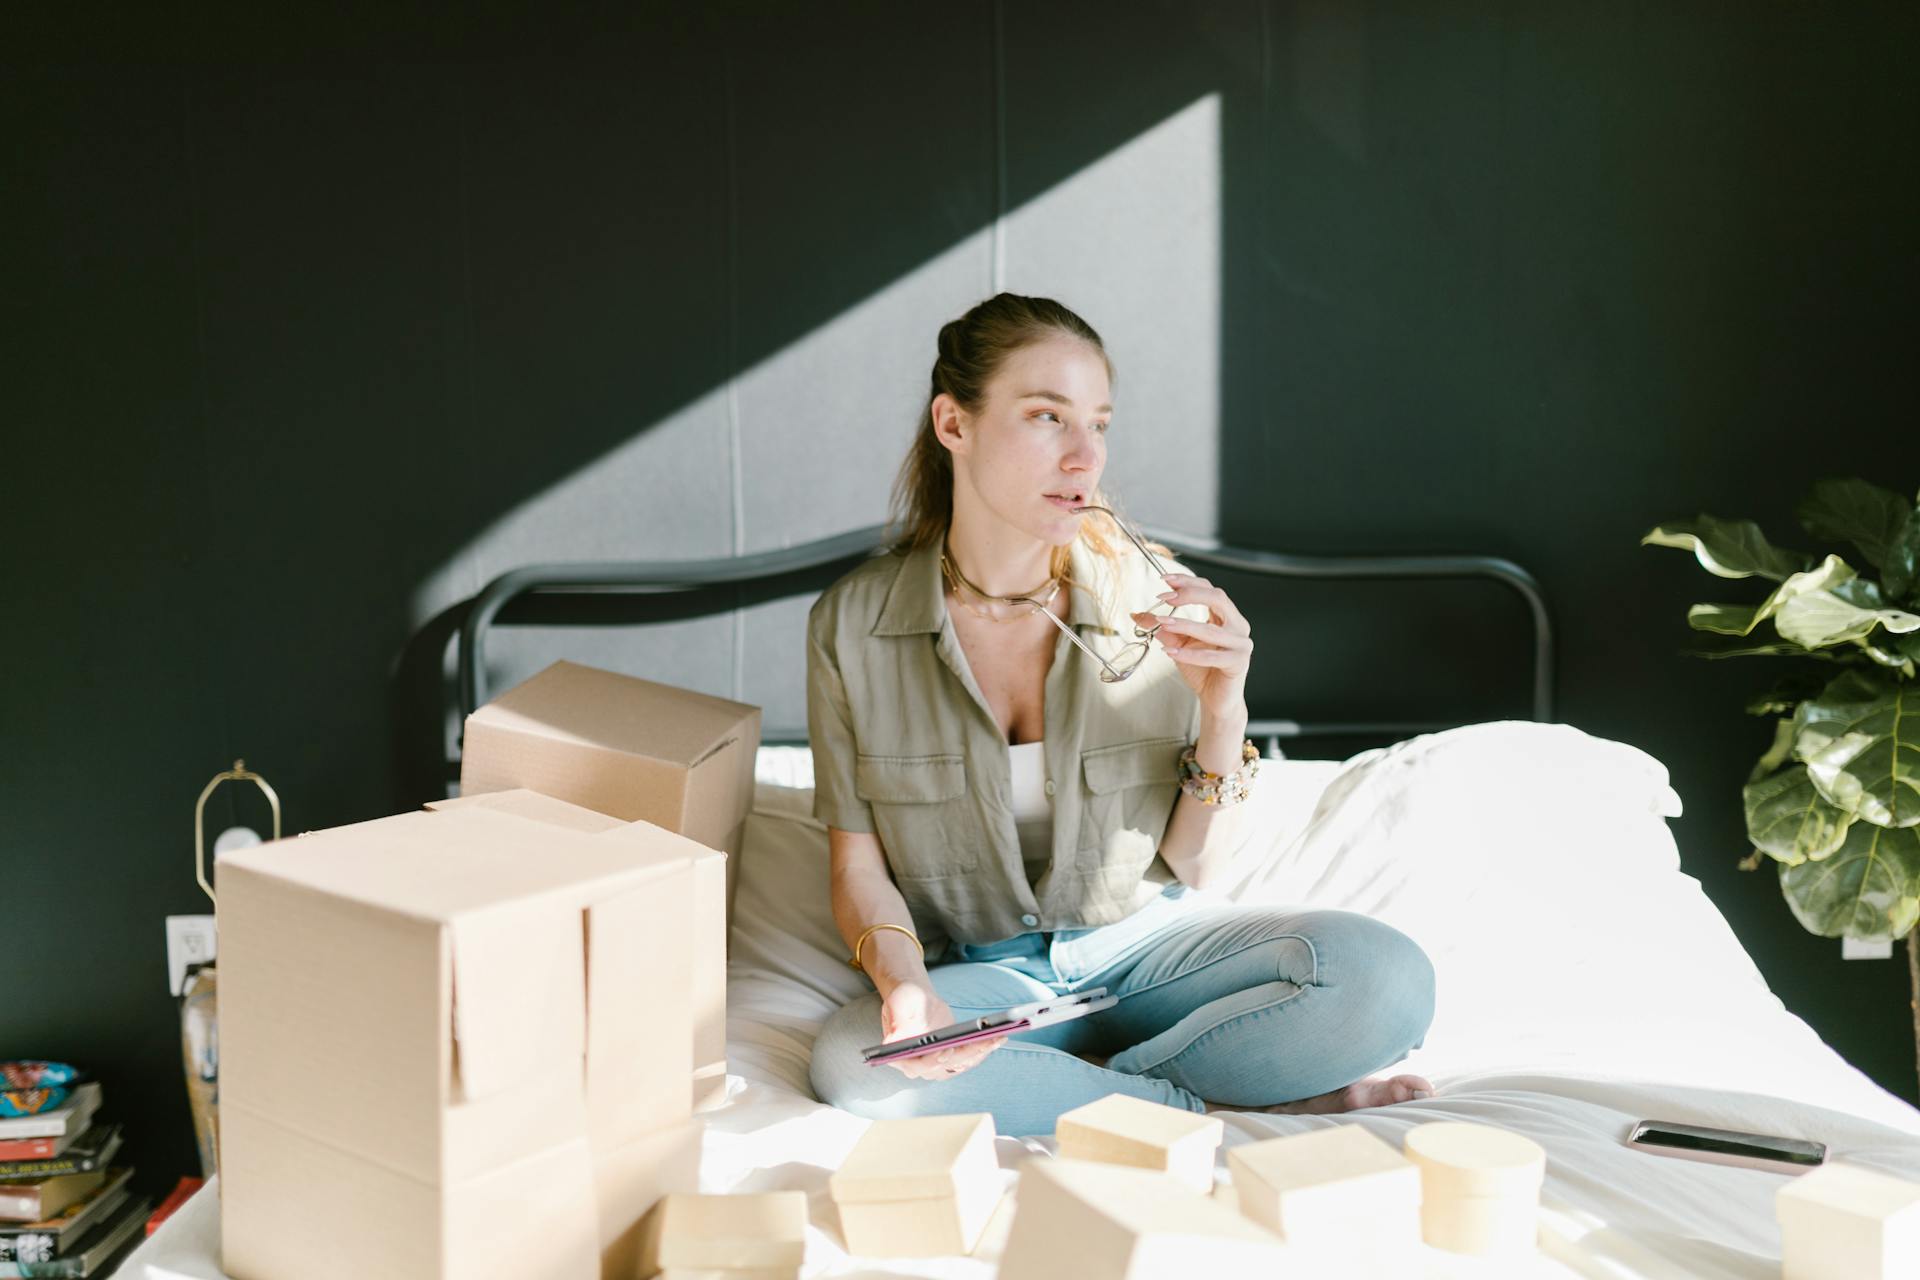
<point x="905" y="746"/>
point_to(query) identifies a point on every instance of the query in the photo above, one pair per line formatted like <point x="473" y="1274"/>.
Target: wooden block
<point x="1479" y="1187"/>
<point x="1844" y="1222"/>
<point x="1329" y="1186"/>
<point x="1095" y="1221"/>
<point x="1121" y="1129"/>
<point x="767" y="1231"/>
<point x="918" y="1188"/>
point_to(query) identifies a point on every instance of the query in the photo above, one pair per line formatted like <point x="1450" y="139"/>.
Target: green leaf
<point x="1886" y="656"/>
<point x="1901" y="572"/>
<point x="1817" y="619"/>
<point x="1728" y="548"/>
<point x="1855" y="511"/>
<point x="1860" y="741"/>
<point x="1740" y="619"/>
<point x="1788" y="818"/>
<point x="1777" y="754"/>
<point x="1788" y="692"/>
<point x="1767" y="651"/>
<point x="1868" y="889"/>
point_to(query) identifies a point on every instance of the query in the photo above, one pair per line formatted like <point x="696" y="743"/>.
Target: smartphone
<point x="1727" y="1146"/>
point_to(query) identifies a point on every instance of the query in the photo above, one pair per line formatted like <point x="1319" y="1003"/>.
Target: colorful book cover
<point x="91" y="1150"/>
<point x="48" y="1239"/>
<point x="92" y="1251"/>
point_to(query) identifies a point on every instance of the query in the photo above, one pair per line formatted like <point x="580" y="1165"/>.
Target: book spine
<point x="49" y="1126"/>
<point x="21" y="1170"/>
<point x="29" y="1149"/>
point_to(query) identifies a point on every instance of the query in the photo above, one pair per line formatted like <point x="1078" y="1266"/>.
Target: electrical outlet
<point x="1855" y="949"/>
<point x="190" y="940"/>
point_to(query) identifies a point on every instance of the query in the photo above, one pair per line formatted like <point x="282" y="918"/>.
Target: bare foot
<point x="1371" y="1092"/>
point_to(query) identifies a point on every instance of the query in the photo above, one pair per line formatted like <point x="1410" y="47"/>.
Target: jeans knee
<point x="1397" y="979"/>
<point x="1407" y="986"/>
<point x="836" y="1067"/>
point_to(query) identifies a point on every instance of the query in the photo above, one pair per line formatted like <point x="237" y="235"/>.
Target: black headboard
<point x="711" y="586"/>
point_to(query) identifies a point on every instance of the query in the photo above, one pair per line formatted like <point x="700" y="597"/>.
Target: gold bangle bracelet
<point x="854" y="959"/>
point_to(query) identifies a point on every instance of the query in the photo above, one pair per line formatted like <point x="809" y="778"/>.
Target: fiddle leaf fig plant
<point x="1835" y="799"/>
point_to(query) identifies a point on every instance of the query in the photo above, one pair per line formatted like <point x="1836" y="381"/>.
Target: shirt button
<point x="1049" y="786"/>
<point x="1029" y="921"/>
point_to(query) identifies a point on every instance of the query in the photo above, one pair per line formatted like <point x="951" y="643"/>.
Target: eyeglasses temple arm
<point x="1067" y="631"/>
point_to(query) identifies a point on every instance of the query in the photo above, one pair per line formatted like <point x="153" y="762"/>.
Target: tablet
<point x="1025" y="1017"/>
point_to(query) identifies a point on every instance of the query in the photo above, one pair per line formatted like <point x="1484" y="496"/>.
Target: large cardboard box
<point x="638" y="751"/>
<point x="619" y="745"/>
<point x="452" y="1045"/>
<point x="707" y="984"/>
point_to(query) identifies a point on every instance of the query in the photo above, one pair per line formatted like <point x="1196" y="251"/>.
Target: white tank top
<point x="1032" y="806"/>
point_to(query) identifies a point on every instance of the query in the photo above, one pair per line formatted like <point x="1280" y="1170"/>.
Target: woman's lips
<point x="1065" y="504"/>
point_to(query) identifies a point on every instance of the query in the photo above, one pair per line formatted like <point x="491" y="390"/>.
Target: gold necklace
<point x="955" y="579"/>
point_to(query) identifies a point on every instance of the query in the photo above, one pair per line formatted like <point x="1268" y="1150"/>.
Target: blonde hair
<point x="972" y="350"/>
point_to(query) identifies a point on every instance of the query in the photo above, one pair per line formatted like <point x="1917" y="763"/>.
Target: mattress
<point x="1584" y="982"/>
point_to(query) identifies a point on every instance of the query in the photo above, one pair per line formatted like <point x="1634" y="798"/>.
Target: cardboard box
<point x="1329" y="1188"/>
<point x="452" y="1044"/>
<point x="918" y="1188"/>
<point x="1843" y="1222"/>
<point x="619" y="745"/>
<point x="764" y="1233"/>
<point x="1479" y="1187"/>
<point x="647" y="843"/>
<point x="1106" y="1222"/>
<point x="1121" y="1129"/>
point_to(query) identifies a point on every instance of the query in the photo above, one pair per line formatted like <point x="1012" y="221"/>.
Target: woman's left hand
<point x="1213" y="656"/>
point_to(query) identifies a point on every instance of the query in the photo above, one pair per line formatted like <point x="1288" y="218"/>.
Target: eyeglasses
<point x="1128" y="659"/>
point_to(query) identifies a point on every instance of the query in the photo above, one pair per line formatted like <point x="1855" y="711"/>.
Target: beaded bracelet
<point x="1219" y="788"/>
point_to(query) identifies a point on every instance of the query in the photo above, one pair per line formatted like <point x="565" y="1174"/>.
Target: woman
<point x="1019" y="791"/>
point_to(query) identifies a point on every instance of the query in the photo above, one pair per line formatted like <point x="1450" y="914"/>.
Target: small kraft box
<point x="418" y="1078"/>
<point x="639" y="751"/>
<point x="1845" y="1222"/>
<point x="762" y="1235"/>
<point x="1119" y="1129"/>
<point x="1479" y="1187"/>
<point x="918" y="1188"/>
<point x="1107" y="1222"/>
<point x="708" y="955"/>
<point x="1332" y="1187"/>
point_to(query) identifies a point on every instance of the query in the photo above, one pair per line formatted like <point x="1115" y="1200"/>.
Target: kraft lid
<point x="1461" y="1159"/>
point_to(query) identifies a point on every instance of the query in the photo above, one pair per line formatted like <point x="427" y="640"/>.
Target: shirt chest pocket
<point x="922" y="812"/>
<point x="1131" y="788"/>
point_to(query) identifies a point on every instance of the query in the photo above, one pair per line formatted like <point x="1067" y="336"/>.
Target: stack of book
<point x="65" y="1208"/>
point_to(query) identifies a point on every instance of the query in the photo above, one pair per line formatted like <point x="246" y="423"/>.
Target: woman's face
<point x="1037" y="446"/>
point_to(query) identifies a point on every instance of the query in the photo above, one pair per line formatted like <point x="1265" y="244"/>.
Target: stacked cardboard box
<point x="642" y="753"/>
<point x="463" y="1043"/>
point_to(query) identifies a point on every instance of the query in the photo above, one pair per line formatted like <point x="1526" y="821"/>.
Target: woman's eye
<point x="1045" y="413"/>
<point x="1101" y="427"/>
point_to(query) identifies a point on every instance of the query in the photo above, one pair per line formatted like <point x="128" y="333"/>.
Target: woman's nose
<point x="1085" y="453"/>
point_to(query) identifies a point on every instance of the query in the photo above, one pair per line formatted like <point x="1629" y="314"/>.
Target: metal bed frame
<point x="792" y="570"/>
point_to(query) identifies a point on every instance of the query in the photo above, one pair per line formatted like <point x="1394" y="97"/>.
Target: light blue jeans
<point x="1239" y="1006"/>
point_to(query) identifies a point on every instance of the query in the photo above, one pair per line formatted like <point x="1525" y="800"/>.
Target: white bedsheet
<point x="1583" y="983"/>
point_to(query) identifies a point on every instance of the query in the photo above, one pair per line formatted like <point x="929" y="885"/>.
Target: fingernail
<point x="1421" y="1093"/>
<point x="1164" y="595"/>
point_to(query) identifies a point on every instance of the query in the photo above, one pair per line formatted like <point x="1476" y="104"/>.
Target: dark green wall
<point x="1511" y="279"/>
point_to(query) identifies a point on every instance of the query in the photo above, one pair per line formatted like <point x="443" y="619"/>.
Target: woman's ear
<point x="951" y="426"/>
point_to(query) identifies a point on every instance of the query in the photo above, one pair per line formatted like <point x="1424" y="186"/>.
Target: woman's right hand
<point x="914" y="1008"/>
